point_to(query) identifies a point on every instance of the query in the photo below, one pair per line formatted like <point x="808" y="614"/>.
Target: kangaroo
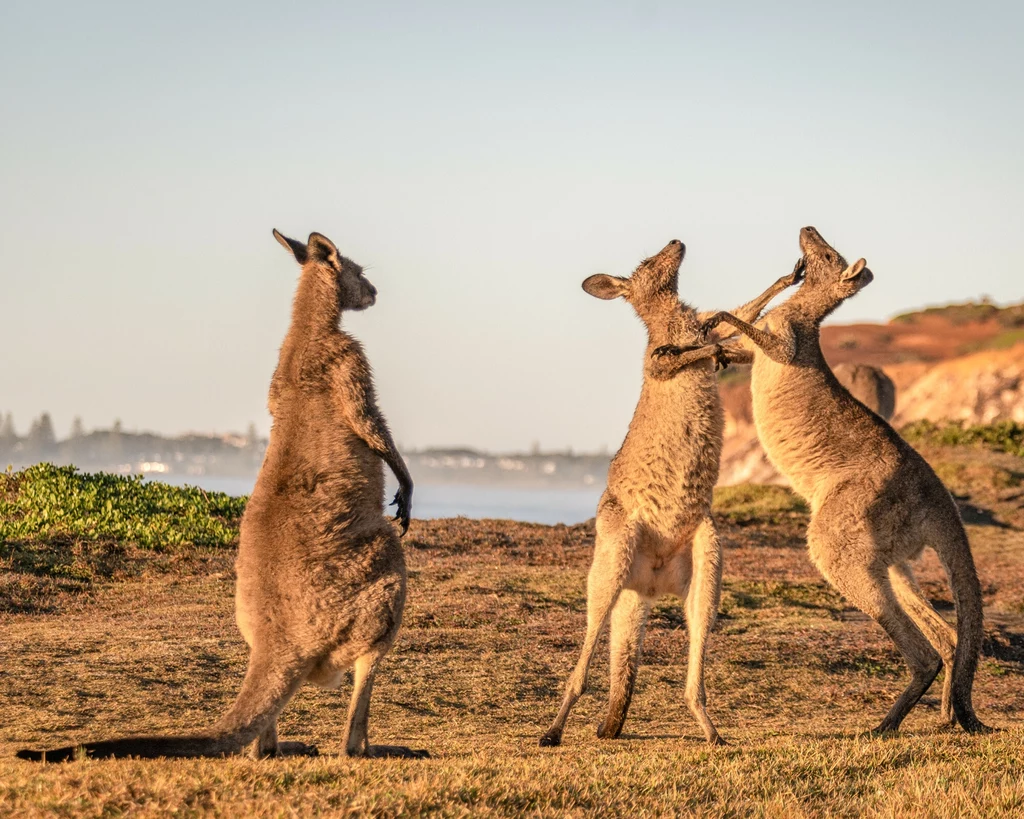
<point x="869" y="385"/>
<point x="875" y="502"/>
<point x="321" y="573"/>
<point x="655" y="533"/>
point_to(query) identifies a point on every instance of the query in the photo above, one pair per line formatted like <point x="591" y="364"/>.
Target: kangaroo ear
<point x="297" y="249"/>
<point x="603" y="286"/>
<point x="853" y="271"/>
<point x="322" y="249"/>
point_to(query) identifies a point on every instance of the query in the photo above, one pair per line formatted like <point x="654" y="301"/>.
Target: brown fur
<point x="875" y="502"/>
<point x="655" y="533"/>
<point x="869" y="385"/>
<point x="321" y="573"/>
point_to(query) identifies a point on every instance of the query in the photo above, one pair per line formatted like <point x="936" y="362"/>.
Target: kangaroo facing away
<point x="655" y="533"/>
<point x="321" y="573"/>
<point x="869" y="385"/>
<point x="875" y="502"/>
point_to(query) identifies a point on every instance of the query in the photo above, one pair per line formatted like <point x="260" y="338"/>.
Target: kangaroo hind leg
<point x="940" y="634"/>
<point x="628" y="619"/>
<point x="357" y="741"/>
<point x="849" y="562"/>
<point x="702" y="600"/>
<point x="613" y="556"/>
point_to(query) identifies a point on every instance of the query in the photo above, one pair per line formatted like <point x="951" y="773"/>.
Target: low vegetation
<point x="957" y="314"/>
<point x="752" y="503"/>
<point x="1004" y="436"/>
<point x="493" y="625"/>
<point x="47" y="502"/>
<point x="61" y="529"/>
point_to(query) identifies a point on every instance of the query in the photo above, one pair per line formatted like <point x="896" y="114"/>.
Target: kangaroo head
<point x="319" y="257"/>
<point x="653" y="280"/>
<point x="827" y="273"/>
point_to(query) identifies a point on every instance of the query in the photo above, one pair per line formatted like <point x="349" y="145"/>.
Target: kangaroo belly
<point x="668" y="465"/>
<point x="815" y="433"/>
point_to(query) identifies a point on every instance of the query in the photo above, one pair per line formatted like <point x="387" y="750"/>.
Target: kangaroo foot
<point x="551" y="739"/>
<point x="296" y="749"/>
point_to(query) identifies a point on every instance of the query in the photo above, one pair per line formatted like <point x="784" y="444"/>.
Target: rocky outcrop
<point x="975" y="389"/>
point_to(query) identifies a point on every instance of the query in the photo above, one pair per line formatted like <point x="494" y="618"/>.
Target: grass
<point x="1011" y="316"/>
<point x="1004" y="436"/>
<point x="753" y="503"/>
<point x="1002" y="341"/>
<point x="62" y="530"/>
<point x="915" y="776"/>
<point x="495" y="616"/>
<point x="45" y="502"/>
<point x="964" y="477"/>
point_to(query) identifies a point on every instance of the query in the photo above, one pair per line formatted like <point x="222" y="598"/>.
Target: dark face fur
<point x="354" y="291"/>
<point x="827" y="272"/>
<point x="653" y="277"/>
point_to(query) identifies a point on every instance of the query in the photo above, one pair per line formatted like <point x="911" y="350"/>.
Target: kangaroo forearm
<point x="396" y="463"/>
<point x="732" y="354"/>
<point x="374" y="433"/>
<point x="667" y="365"/>
<point x="750" y="311"/>
<point x="774" y="346"/>
<point x="378" y="437"/>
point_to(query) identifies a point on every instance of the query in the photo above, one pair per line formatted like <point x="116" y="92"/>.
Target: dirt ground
<point x="494" y="622"/>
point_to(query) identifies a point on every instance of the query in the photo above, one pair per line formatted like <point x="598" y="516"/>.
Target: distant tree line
<point x="116" y="450"/>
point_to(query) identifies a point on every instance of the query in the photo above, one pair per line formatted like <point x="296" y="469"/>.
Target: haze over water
<point x="532" y="504"/>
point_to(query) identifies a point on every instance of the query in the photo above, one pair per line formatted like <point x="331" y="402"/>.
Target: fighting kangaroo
<point x="875" y="502"/>
<point x="321" y="573"/>
<point x="655" y="533"/>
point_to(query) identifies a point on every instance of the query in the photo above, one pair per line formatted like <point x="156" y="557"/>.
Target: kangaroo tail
<point x="267" y="687"/>
<point x="955" y="553"/>
<point x="143" y="747"/>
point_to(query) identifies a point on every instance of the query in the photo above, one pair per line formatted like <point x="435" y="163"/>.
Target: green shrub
<point x="47" y="503"/>
<point x="1004" y="436"/>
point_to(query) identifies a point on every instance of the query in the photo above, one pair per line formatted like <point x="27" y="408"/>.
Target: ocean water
<point x="535" y="505"/>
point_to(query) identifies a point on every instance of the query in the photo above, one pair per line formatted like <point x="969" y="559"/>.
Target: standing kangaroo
<point x="321" y="573"/>
<point x="875" y="502"/>
<point x="655" y="533"/>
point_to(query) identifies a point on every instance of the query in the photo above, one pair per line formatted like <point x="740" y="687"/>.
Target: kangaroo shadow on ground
<point x="1004" y="639"/>
<point x="974" y="515"/>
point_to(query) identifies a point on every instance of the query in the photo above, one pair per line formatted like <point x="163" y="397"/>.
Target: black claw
<point x="799" y="270"/>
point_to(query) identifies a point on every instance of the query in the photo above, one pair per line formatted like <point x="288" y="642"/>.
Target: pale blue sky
<point x="483" y="161"/>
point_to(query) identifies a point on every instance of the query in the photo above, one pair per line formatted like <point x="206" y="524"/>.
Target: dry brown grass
<point x="495" y="617"/>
